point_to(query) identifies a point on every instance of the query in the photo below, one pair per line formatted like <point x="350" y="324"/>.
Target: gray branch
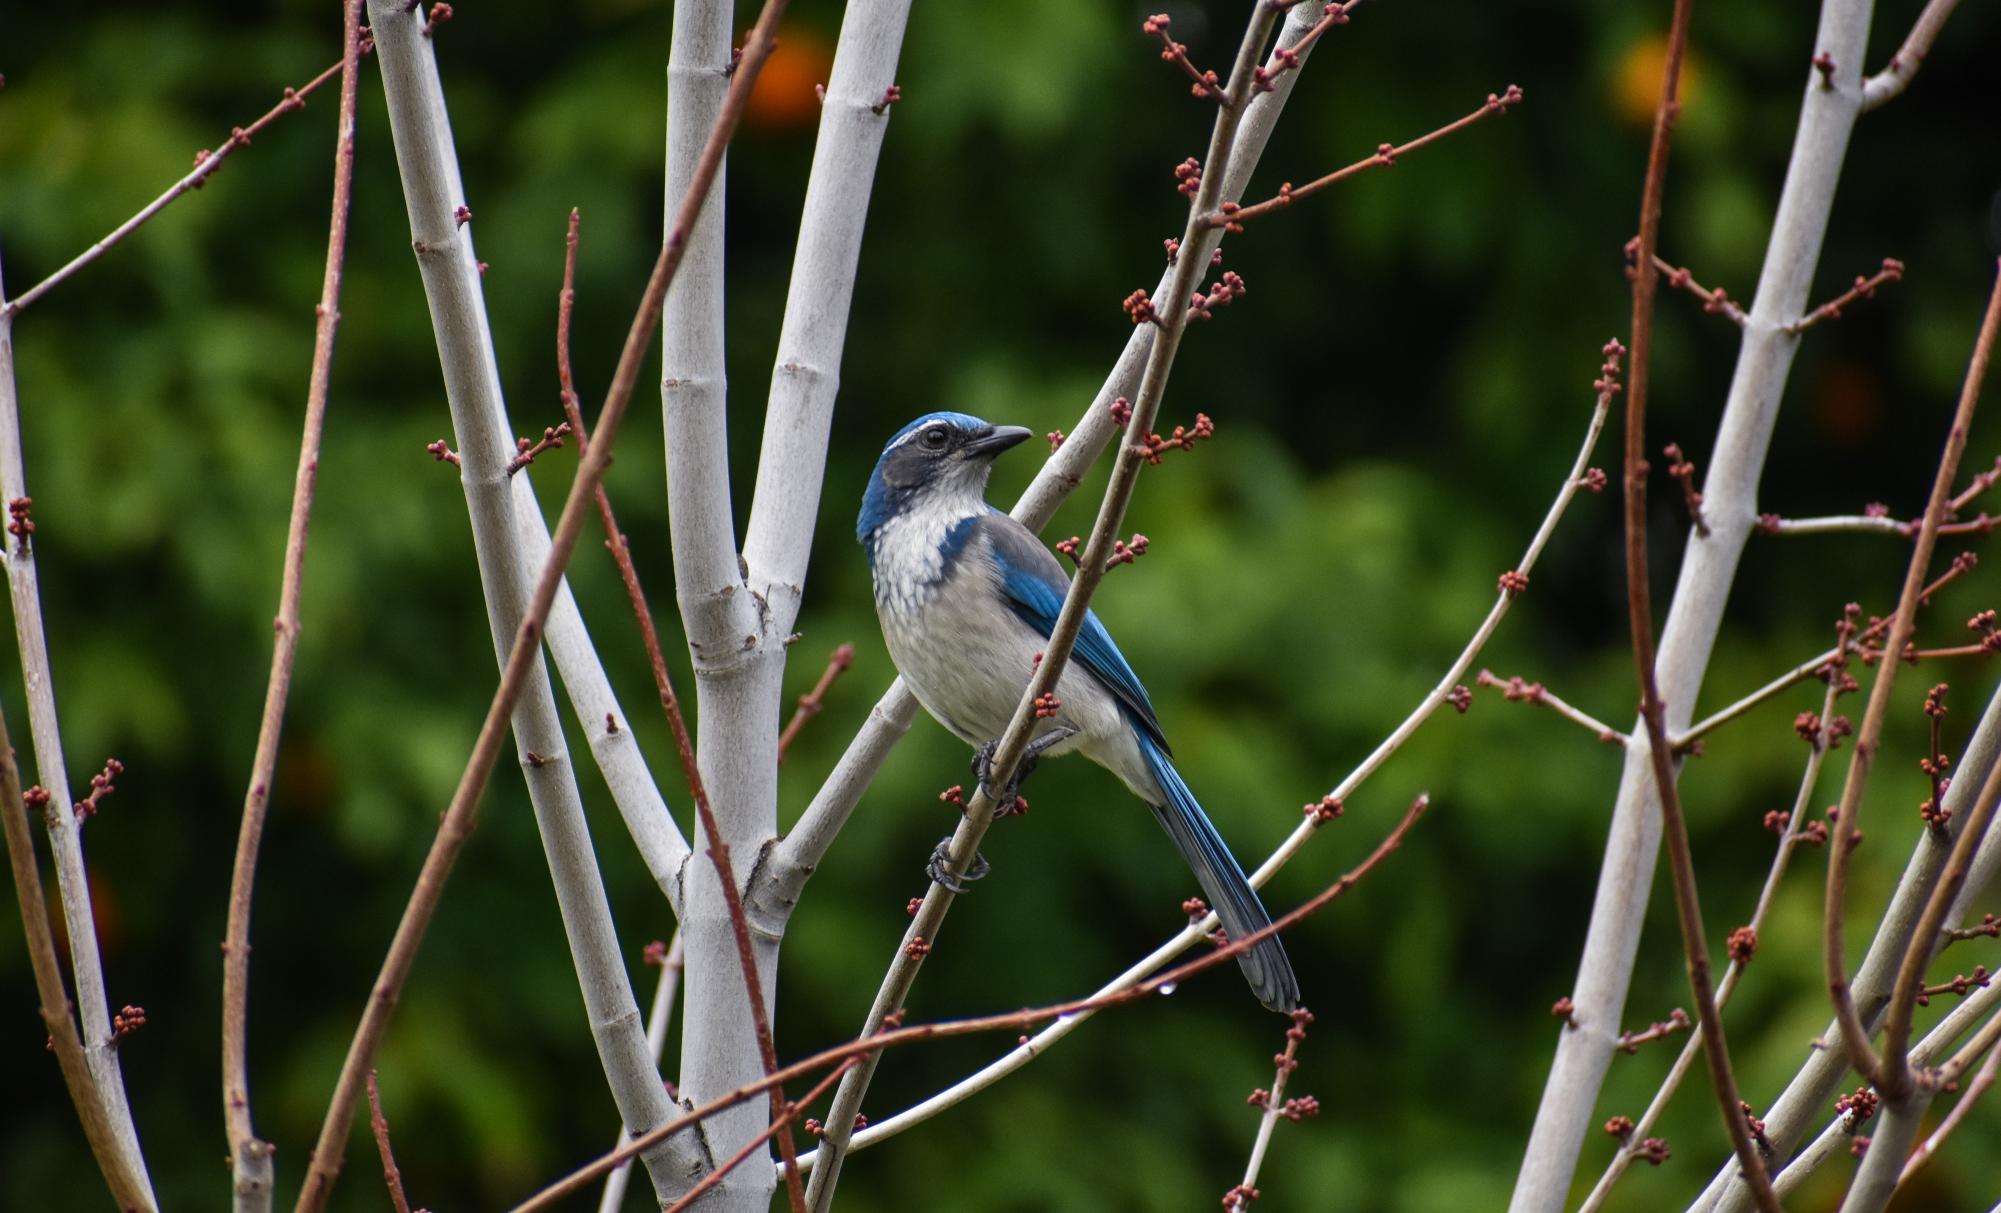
<point x="503" y="515"/>
<point x="1730" y="496"/>
<point x="65" y="836"/>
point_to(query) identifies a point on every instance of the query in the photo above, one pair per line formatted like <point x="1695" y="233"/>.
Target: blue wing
<point x="1035" y="584"/>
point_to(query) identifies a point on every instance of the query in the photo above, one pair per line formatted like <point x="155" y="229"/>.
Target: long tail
<point x="1265" y="966"/>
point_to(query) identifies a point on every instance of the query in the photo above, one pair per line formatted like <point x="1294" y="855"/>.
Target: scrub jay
<point x="968" y="597"/>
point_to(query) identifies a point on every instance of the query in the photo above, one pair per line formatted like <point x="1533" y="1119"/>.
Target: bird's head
<point x="939" y="461"/>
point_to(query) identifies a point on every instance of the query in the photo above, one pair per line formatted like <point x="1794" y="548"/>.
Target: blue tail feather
<point x="1237" y="907"/>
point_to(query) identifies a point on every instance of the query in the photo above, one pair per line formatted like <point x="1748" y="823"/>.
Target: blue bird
<point x="968" y="597"/>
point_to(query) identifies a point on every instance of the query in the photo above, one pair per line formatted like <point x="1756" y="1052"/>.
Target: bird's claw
<point x="939" y="867"/>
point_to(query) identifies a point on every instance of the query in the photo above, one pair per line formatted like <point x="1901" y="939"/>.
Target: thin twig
<point x="379" y="1125"/>
<point x="1520" y="690"/>
<point x="1897" y="75"/>
<point x="1197" y="241"/>
<point x="891" y="1036"/>
<point x="1275" y="1105"/>
<point x="127" y="1187"/>
<point x="206" y="162"/>
<point x="1890" y="1073"/>
<point x="251" y="1157"/>
<point x="1864" y="288"/>
<point x="1717" y="301"/>
<point x="456" y="827"/>
<point x="815" y="699"/>
<point x="1640" y="611"/>
<point x="1231" y="215"/>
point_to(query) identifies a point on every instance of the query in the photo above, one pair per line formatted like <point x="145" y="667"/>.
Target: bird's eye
<point x="934" y="439"/>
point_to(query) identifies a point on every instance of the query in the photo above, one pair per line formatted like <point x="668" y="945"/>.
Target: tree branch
<point x="1730" y="492"/>
<point x="128" y="1187"/>
<point x="206" y="163"/>
<point x="250" y="1157"/>
<point x="410" y="65"/>
<point x="1639" y="609"/>
<point x="1888" y="1072"/>
<point x="1896" y="76"/>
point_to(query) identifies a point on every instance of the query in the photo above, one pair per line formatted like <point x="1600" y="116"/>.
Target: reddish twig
<point x="1520" y="690"/>
<point x="552" y="437"/>
<point x="1124" y="551"/>
<point x="1677" y="1021"/>
<point x="1683" y="472"/>
<point x="1288" y="58"/>
<point x="677" y="724"/>
<point x="1890" y="1073"/>
<point x="1232" y="216"/>
<point x="1989" y="928"/>
<point x="811" y="702"/>
<point x="1205" y="83"/>
<point x="251" y="1157"/>
<point x="1716" y="301"/>
<point x="893" y="1034"/>
<point x="1935" y="763"/>
<point x="456" y="826"/>
<point x="379" y="1124"/>
<point x="442" y="453"/>
<point x="1981" y="482"/>
<point x="1640" y="610"/>
<point x="1864" y="288"/>
<point x="206" y="163"/>
<point x="1184" y="438"/>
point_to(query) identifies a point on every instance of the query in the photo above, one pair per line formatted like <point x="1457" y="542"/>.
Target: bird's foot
<point x="983" y="763"/>
<point x="939" y="867"/>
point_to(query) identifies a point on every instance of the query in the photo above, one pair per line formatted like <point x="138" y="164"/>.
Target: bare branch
<point x="891" y="1035"/>
<point x="379" y="1125"/>
<point x="1639" y="606"/>
<point x="1904" y="65"/>
<point x="128" y="1187"/>
<point x="1730" y="492"/>
<point x="1231" y="215"/>
<point x="1888" y="1072"/>
<point x="206" y="162"/>
<point x="393" y="25"/>
<point x="812" y="701"/>
<point x="1802" y="1102"/>
<point x="670" y="959"/>
<point x="1864" y="288"/>
<point x="1520" y="690"/>
<point x="249" y="1156"/>
<point x="1274" y="1105"/>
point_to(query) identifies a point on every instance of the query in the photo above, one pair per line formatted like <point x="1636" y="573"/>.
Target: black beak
<point x="997" y="439"/>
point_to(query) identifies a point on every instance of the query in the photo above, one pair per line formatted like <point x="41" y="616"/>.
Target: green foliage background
<point x="1395" y="400"/>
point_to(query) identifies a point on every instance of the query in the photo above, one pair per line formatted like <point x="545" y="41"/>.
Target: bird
<point x="967" y="597"/>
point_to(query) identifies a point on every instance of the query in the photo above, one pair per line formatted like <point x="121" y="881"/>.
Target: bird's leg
<point x="983" y="761"/>
<point x="939" y="867"/>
